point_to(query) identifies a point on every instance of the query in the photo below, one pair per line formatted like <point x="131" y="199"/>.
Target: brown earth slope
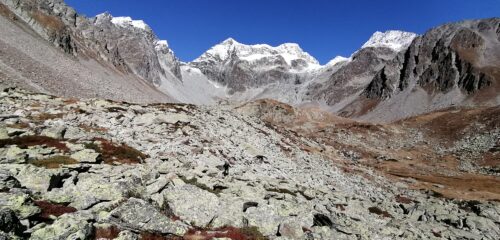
<point x="454" y="152"/>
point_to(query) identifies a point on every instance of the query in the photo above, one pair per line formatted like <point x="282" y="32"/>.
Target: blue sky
<point x="324" y="28"/>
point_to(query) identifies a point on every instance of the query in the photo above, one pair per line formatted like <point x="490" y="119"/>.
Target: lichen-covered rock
<point x="74" y="133"/>
<point x="20" y="203"/>
<point x="56" y="132"/>
<point x="192" y="204"/>
<point x="140" y="215"/>
<point x="3" y="133"/>
<point x="127" y="235"/>
<point x="9" y="222"/>
<point x="86" y="156"/>
<point x="265" y="218"/>
<point x="13" y="154"/>
<point x="481" y="225"/>
<point x="170" y="118"/>
<point x="68" y="226"/>
<point x="7" y="181"/>
<point x="291" y="229"/>
<point x="90" y="190"/>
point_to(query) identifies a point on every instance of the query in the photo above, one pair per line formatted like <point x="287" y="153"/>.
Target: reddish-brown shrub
<point x="380" y="212"/>
<point x="50" y="209"/>
<point x="247" y="233"/>
<point x="46" y="116"/>
<point x="403" y="199"/>
<point x="29" y="141"/>
<point x="120" y="153"/>
<point x="50" y="22"/>
<point x="155" y="236"/>
<point x="111" y="232"/>
<point x="22" y="125"/>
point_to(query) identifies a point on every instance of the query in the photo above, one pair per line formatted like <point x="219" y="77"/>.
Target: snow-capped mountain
<point x="395" y="40"/>
<point x="240" y="67"/>
<point x="291" y="53"/>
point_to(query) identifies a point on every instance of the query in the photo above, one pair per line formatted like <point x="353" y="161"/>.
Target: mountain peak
<point x="229" y="41"/>
<point x="336" y="60"/>
<point x="393" y="39"/>
<point x="223" y="50"/>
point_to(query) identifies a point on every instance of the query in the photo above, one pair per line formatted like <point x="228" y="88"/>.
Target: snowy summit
<point x="127" y="21"/>
<point x="395" y="40"/>
<point x="289" y="52"/>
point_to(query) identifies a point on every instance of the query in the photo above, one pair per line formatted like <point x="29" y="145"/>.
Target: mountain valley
<point x="106" y="134"/>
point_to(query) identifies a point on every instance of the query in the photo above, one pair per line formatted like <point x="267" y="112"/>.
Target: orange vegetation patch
<point x="18" y="125"/>
<point x="49" y="209"/>
<point x="464" y="186"/>
<point x="54" y="162"/>
<point x="70" y="101"/>
<point x="110" y="232"/>
<point x="88" y="128"/>
<point x="248" y="233"/>
<point x="5" y="11"/>
<point x="29" y="141"/>
<point x="50" y="22"/>
<point x="451" y="124"/>
<point x="46" y="116"/>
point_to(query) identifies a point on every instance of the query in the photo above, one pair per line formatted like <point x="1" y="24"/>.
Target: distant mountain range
<point x="47" y="46"/>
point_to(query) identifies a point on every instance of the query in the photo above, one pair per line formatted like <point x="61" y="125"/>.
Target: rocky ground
<point x="98" y="169"/>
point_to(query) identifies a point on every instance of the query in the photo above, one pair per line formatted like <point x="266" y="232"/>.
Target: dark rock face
<point x="130" y="48"/>
<point x="366" y="66"/>
<point x="461" y="59"/>
<point x="49" y="18"/>
<point x="450" y="56"/>
<point x="379" y="86"/>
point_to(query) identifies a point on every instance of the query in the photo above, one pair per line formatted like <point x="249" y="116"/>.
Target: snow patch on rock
<point x="251" y="53"/>
<point x="393" y="39"/>
<point x="128" y="21"/>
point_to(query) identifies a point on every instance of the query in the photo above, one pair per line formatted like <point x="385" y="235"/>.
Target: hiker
<point x="226" y="169"/>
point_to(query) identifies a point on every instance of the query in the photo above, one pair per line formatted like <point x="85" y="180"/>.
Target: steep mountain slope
<point x="456" y="148"/>
<point x="452" y="65"/>
<point x="352" y="78"/>
<point x="28" y="61"/>
<point x="106" y="57"/>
